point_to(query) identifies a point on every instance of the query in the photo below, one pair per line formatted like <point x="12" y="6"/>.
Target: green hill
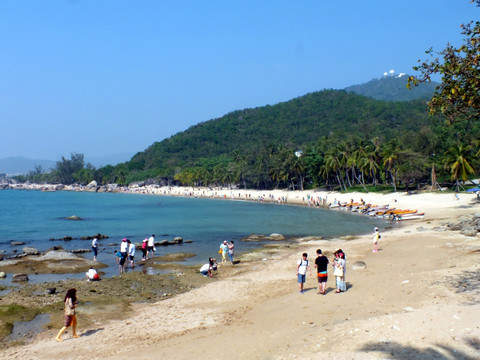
<point x="297" y="123"/>
<point x="393" y="88"/>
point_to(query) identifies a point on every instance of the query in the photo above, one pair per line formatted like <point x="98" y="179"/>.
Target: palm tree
<point x="334" y="163"/>
<point x="458" y="161"/>
<point x="390" y="158"/>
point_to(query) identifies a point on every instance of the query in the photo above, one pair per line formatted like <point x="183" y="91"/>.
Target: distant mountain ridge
<point x="393" y="88"/>
<point x="16" y="165"/>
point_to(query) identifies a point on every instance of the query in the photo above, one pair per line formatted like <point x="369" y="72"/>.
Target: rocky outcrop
<point x="30" y="251"/>
<point x="468" y="225"/>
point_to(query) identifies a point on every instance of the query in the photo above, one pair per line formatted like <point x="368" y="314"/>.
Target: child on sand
<point x="302" y="266"/>
<point x="376" y="236"/>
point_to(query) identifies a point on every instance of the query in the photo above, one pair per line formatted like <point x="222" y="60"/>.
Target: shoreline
<point x="386" y="310"/>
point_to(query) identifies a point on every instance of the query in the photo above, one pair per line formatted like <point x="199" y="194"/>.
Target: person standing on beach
<point x="376" y="236"/>
<point x="144" y="249"/>
<point x="340" y="266"/>
<point x="321" y="264"/>
<point x="95" y="248"/>
<point x="302" y="266"/>
<point x="151" y="246"/>
<point x="70" y="317"/>
<point x="131" y="253"/>
<point x="123" y="255"/>
<point x="224" y="249"/>
<point x="231" y="251"/>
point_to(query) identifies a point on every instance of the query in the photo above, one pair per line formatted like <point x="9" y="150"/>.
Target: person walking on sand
<point x="70" y="317"/>
<point x="231" y="250"/>
<point x="302" y="266"/>
<point x="224" y="249"/>
<point x="95" y="248"/>
<point x="376" y="236"/>
<point x="131" y="253"/>
<point x="151" y="246"/>
<point x="321" y="264"/>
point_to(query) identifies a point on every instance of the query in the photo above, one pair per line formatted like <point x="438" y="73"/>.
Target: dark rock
<point x="67" y="238"/>
<point x="80" y="251"/>
<point x="178" y="240"/>
<point x="19" y="278"/>
<point x="50" y="291"/>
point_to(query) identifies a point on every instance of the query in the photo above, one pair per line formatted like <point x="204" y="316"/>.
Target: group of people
<point x="126" y="252"/>
<point x="227" y="248"/>
<point x="339" y="264"/>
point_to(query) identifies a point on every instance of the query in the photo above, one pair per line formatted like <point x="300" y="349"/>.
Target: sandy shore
<point x="418" y="298"/>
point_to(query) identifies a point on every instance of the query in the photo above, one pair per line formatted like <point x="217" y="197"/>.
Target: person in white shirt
<point x="151" y="245"/>
<point x="95" y="248"/>
<point x="302" y="266"/>
<point x="92" y="275"/>
<point x="131" y="253"/>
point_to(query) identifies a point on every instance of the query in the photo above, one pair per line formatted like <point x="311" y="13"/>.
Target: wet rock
<point x="255" y="237"/>
<point x="16" y="243"/>
<point x="178" y="240"/>
<point x="162" y="243"/>
<point x="73" y="217"/>
<point x="19" y="278"/>
<point x="30" y="251"/>
<point x="98" y="236"/>
<point x="50" y="291"/>
<point x="359" y="265"/>
<point x="80" y="251"/>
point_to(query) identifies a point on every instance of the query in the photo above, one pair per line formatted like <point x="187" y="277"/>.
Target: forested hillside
<point x="329" y="138"/>
<point x="296" y="123"/>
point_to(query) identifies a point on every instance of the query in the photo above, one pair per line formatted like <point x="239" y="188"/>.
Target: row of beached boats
<point x="380" y="211"/>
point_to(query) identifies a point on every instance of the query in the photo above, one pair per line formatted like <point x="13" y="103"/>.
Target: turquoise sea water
<point x="35" y="217"/>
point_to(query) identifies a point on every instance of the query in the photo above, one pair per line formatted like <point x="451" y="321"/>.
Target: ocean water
<point x="36" y="217"/>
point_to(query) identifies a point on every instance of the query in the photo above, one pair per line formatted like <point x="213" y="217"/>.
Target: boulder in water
<point x="73" y="217"/>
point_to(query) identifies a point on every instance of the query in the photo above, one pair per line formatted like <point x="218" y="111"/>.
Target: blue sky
<point x="113" y="76"/>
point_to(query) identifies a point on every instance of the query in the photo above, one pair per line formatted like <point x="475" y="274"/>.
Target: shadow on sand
<point x="401" y="352"/>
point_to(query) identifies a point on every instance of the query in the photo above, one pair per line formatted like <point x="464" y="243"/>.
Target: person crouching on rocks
<point x="92" y="275"/>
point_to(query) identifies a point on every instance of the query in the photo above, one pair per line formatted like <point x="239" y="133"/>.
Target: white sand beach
<point x="418" y="298"/>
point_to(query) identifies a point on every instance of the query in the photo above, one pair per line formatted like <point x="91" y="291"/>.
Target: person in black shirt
<point x="321" y="264"/>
